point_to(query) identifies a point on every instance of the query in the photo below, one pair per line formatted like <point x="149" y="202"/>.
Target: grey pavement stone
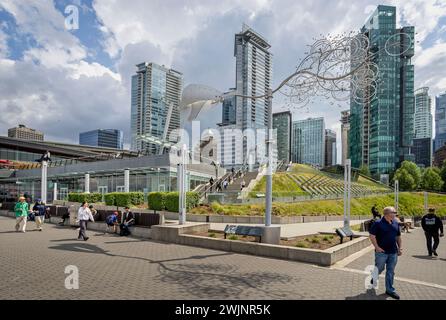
<point x="110" y="267"/>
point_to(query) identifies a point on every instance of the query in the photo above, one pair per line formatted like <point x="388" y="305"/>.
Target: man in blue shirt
<point x="385" y="236"/>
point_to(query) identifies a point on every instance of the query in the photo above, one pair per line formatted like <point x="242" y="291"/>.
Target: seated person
<point x="128" y="219"/>
<point x="403" y="225"/>
<point x="112" y="221"/>
<point x="64" y="217"/>
<point x="94" y="213"/>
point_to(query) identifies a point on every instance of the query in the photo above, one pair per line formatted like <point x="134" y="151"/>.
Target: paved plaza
<point x="33" y="265"/>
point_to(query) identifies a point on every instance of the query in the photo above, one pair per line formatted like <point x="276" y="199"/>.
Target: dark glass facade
<point x="382" y="128"/>
<point x="107" y="138"/>
<point x="422" y="150"/>
<point x="440" y="121"/>
<point x="282" y="124"/>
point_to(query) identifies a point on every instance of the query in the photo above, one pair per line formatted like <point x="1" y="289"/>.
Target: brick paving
<point x="33" y="264"/>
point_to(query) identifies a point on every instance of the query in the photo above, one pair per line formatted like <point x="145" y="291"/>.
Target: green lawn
<point x="283" y="186"/>
<point x="409" y="204"/>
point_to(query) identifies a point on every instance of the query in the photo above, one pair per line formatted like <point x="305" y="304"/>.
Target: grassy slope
<point x="283" y="186"/>
<point x="410" y="204"/>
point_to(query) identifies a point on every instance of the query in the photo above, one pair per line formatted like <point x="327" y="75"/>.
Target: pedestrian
<point x="21" y="214"/>
<point x="375" y="213"/>
<point x="242" y="184"/>
<point x="84" y="215"/>
<point x="128" y="219"/>
<point x="225" y="184"/>
<point x="385" y="236"/>
<point x="433" y="227"/>
<point x="39" y="214"/>
<point x="211" y="182"/>
<point x="112" y="221"/>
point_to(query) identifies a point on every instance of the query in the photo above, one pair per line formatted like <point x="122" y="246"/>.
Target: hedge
<point x="156" y="200"/>
<point x="172" y="201"/>
<point x="109" y="199"/>
<point x="124" y="199"/>
<point x="88" y="197"/>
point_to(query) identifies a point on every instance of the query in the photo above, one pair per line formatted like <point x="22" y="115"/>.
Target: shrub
<point x="217" y="208"/>
<point x="156" y="200"/>
<point x="124" y="199"/>
<point x="172" y="201"/>
<point x="88" y="197"/>
<point x="315" y="240"/>
<point x="109" y="199"/>
<point x="301" y="245"/>
<point x="233" y="237"/>
<point x="212" y="235"/>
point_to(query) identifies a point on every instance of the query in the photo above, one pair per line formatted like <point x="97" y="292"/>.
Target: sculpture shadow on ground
<point x="370" y="294"/>
<point x="426" y="257"/>
<point x="206" y="280"/>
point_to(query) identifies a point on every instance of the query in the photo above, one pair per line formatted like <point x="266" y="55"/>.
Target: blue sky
<point x="67" y="81"/>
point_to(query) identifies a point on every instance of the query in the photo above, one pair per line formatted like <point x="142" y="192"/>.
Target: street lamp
<point x="397" y="190"/>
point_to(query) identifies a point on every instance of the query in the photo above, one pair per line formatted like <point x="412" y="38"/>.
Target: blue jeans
<point x="389" y="261"/>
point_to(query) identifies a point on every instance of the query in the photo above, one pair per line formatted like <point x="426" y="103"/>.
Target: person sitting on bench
<point x="64" y="217"/>
<point x="128" y="219"/>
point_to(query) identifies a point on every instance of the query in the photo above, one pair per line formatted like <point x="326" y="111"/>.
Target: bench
<point x="244" y="231"/>
<point x="344" y="232"/>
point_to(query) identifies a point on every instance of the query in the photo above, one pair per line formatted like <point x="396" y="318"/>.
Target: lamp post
<point x="127" y="180"/>
<point x="182" y="185"/>
<point x="426" y="203"/>
<point x="44" y="176"/>
<point x="397" y="190"/>
<point x="347" y="192"/>
<point x="55" y="191"/>
<point x="269" y="173"/>
<point x="87" y="183"/>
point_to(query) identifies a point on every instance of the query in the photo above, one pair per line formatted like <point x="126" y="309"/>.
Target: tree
<point x="443" y="175"/>
<point x="413" y="170"/>
<point x="431" y="180"/>
<point x="405" y="180"/>
<point x="364" y="170"/>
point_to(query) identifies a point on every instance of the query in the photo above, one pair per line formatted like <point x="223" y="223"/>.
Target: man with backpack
<point x="112" y="221"/>
<point x="39" y="210"/>
<point x="433" y="228"/>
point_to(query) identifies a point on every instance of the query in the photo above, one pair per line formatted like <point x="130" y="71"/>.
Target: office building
<point x="155" y="101"/>
<point x="330" y="148"/>
<point x="107" y="138"/>
<point x="423" y="115"/>
<point x="440" y="121"/>
<point x="382" y="127"/>
<point x="422" y="150"/>
<point x="24" y="133"/>
<point x="253" y="78"/>
<point x="308" y="141"/>
<point x="345" y="129"/>
<point x="282" y="123"/>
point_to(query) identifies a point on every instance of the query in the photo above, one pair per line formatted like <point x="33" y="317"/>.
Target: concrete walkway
<point x="293" y="229"/>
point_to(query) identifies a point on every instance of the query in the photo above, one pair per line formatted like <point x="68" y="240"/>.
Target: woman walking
<point x="84" y="215"/>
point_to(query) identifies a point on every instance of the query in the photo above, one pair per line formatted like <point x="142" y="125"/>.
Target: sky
<point x="64" y="81"/>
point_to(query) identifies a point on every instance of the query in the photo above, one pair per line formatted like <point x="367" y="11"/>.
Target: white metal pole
<point x="269" y="173"/>
<point x="87" y="183"/>
<point x="182" y="185"/>
<point x="426" y="203"/>
<point x="44" y="182"/>
<point x="397" y="190"/>
<point x="349" y="190"/>
<point x="55" y="191"/>
<point x="126" y="180"/>
<point x="346" y="192"/>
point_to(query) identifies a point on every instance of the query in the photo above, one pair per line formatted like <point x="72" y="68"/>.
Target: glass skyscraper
<point x="107" y="138"/>
<point x="253" y="78"/>
<point x="423" y="115"/>
<point x="308" y="141"/>
<point x="382" y="128"/>
<point x="156" y="95"/>
<point x="282" y="124"/>
<point x="330" y="148"/>
<point x="440" y="121"/>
